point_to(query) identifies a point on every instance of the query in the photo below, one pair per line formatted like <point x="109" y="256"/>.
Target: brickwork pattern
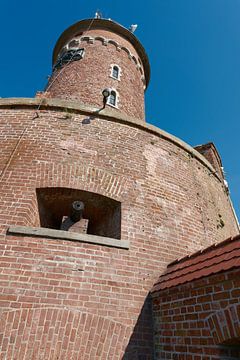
<point x="47" y="333"/>
<point x="170" y="206"/>
<point x="210" y="153"/>
<point x="199" y="320"/>
<point x="84" y="80"/>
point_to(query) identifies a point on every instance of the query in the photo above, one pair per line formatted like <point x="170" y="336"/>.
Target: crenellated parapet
<point x="79" y="42"/>
<point x="96" y="54"/>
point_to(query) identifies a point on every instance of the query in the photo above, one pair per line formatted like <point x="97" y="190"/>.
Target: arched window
<point x="115" y="72"/>
<point x="68" y="56"/>
<point x="112" y="99"/>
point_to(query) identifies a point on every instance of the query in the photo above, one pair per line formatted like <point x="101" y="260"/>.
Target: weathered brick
<point x="63" y="299"/>
<point x="219" y="322"/>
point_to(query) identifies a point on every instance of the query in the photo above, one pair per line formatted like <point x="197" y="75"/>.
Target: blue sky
<point x="194" y="52"/>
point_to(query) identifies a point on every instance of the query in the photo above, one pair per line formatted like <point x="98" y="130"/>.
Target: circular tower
<point x="95" y="203"/>
<point x="95" y="54"/>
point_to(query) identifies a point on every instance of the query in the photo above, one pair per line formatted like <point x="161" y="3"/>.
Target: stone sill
<point x="67" y="235"/>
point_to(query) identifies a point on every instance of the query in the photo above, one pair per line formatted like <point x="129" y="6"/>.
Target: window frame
<point x="112" y="72"/>
<point x="67" y="56"/>
<point x="115" y="105"/>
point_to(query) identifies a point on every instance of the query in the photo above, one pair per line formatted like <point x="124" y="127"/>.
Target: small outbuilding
<point x="196" y="305"/>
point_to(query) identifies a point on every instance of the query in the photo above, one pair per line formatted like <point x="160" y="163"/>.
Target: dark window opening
<point x="100" y="215"/>
<point x="112" y="99"/>
<point x="115" y="72"/>
<point x="68" y="56"/>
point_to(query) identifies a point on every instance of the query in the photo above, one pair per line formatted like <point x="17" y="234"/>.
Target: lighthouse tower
<point x="95" y="203"/>
<point x="96" y="54"/>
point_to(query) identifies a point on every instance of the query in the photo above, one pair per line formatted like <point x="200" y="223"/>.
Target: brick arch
<point x="106" y="41"/>
<point x="224" y="324"/>
<point x="127" y="51"/>
<point x="87" y="38"/>
<point x="103" y="213"/>
<point x="135" y="60"/>
<point x="70" y="176"/>
<point x="112" y="42"/>
<point x="53" y="333"/>
<point x="102" y="39"/>
<point x="86" y="178"/>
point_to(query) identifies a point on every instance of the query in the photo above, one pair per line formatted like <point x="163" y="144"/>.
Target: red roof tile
<point x="215" y="258"/>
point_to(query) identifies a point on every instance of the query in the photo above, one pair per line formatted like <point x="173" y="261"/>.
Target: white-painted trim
<point x="117" y="99"/>
<point x="119" y="72"/>
<point x="105" y="41"/>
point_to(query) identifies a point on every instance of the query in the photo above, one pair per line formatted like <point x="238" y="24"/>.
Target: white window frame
<point x="117" y="99"/>
<point x="119" y="72"/>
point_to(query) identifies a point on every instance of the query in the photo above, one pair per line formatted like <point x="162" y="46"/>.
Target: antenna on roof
<point x="133" y="27"/>
<point x="98" y="15"/>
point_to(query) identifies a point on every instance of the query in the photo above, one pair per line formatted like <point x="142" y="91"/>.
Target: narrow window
<point x="112" y="99"/>
<point x="115" y="72"/>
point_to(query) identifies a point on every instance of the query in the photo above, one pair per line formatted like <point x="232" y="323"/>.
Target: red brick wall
<point x="210" y="153"/>
<point x="170" y="206"/>
<point x="84" y="80"/>
<point x="199" y="320"/>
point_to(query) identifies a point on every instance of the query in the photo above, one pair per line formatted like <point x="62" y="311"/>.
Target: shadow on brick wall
<point x="140" y="346"/>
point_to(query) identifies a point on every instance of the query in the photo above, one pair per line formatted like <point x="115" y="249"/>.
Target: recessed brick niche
<point x="103" y="214"/>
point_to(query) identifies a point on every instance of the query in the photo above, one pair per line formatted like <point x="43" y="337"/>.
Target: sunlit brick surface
<point x="65" y="299"/>
<point x="84" y="80"/>
<point x="170" y="207"/>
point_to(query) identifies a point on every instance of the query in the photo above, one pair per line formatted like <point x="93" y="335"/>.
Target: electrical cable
<point x="60" y="72"/>
<point x="3" y="172"/>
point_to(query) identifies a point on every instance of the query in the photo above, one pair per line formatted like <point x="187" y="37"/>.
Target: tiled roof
<point x="215" y="258"/>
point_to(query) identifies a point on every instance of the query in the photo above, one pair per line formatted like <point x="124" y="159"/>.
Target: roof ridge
<point x="205" y="250"/>
<point x="214" y="259"/>
<point x="175" y="269"/>
<point x="191" y="272"/>
<point x="158" y="286"/>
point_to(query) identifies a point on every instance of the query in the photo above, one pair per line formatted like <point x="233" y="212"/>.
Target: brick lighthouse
<point x="95" y="203"/>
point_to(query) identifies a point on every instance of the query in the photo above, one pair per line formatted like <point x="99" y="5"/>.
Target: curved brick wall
<point x="52" y="333"/>
<point x="85" y="79"/>
<point x="172" y="204"/>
